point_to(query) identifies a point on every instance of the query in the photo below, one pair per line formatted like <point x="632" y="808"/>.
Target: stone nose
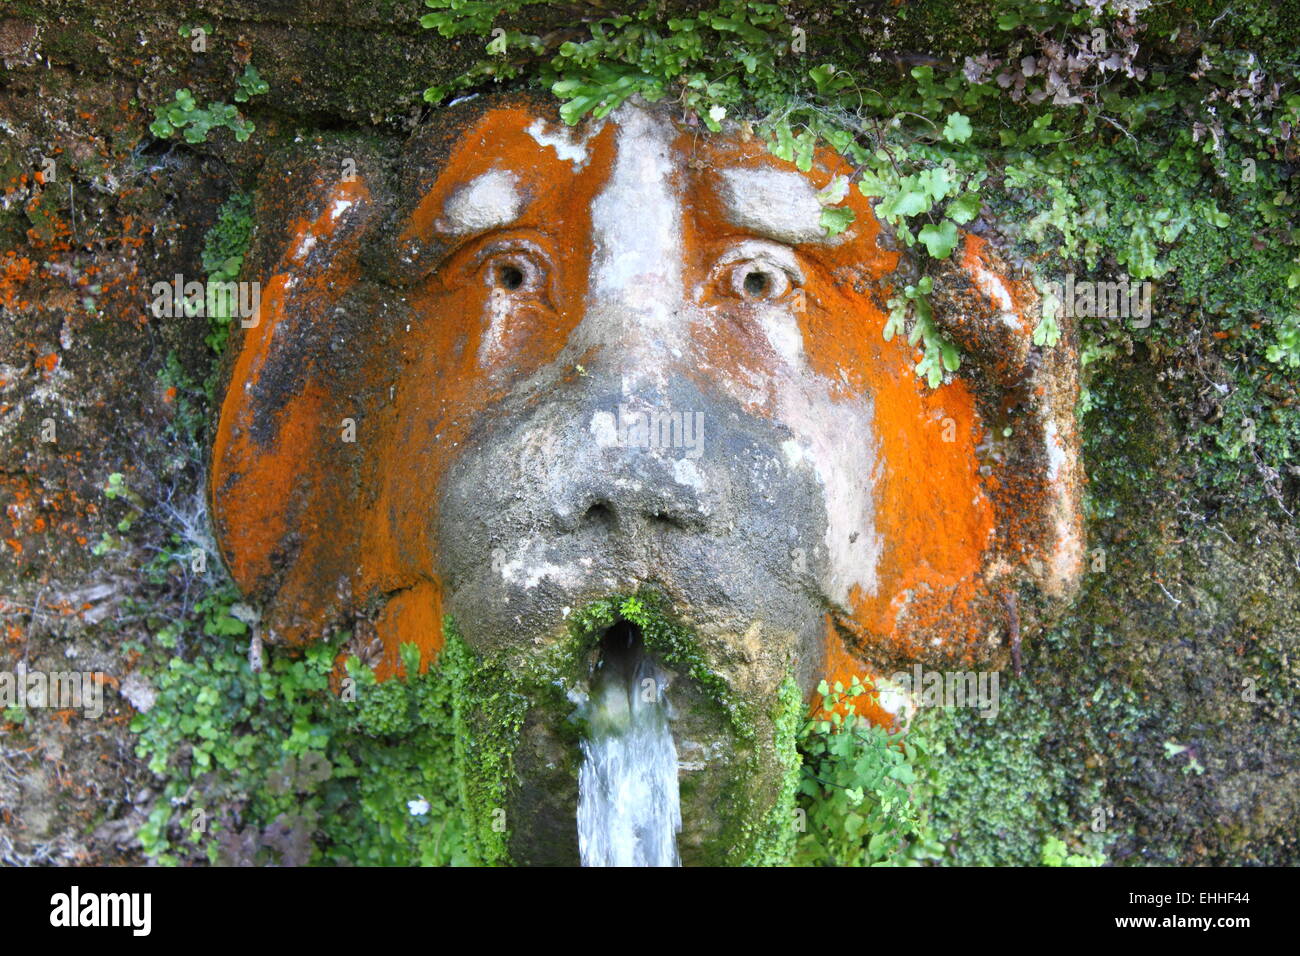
<point x="638" y="463"/>
<point x="629" y="506"/>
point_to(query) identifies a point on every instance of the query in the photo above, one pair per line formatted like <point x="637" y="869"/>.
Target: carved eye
<point x="514" y="272"/>
<point x="758" y="281"/>
<point x="758" y="271"/>
<point x="509" y="276"/>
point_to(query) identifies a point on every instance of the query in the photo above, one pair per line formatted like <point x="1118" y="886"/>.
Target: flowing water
<point x="629" y="812"/>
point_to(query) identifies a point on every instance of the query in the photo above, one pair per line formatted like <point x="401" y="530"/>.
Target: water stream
<point x="629" y="813"/>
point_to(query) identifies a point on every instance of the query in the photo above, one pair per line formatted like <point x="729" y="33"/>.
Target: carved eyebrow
<point x="487" y="202"/>
<point x="777" y="204"/>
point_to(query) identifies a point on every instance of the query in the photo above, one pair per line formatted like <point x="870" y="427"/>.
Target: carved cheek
<point x="737" y="358"/>
<point x="517" y="335"/>
<point x="755" y="354"/>
<point x="275" y="407"/>
<point x="502" y="329"/>
<point x="468" y="350"/>
<point x="832" y="435"/>
<point x="836" y="438"/>
<point x="934" y="521"/>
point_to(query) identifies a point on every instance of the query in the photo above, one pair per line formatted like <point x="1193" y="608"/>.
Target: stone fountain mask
<point x="530" y="366"/>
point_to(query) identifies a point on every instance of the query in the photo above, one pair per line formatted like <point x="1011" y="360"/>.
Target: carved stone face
<point x="627" y="356"/>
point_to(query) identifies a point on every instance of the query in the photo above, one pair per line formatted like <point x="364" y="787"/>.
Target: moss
<point x="1004" y="786"/>
<point x="273" y="768"/>
<point x="773" y="838"/>
<point x="224" y="247"/>
<point x="518" y="735"/>
<point x="1181" y="623"/>
<point x="450" y="738"/>
<point x="488" y="713"/>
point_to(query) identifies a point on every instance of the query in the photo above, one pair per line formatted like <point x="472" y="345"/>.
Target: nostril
<point x="605" y="517"/>
<point x="663" y="519"/>
<point x="599" y="515"/>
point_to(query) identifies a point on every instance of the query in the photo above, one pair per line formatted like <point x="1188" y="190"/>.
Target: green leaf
<point x="822" y="75"/>
<point x="939" y="240"/>
<point x="964" y="208"/>
<point x="904" y="204"/>
<point x="783" y="145"/>
<point x="957" y="129"/>
<point x="903" y="774"/>
<point x="937" y="182"/>
<point x="1047" y="332"/>
<point x="739" y="27"/>
<point x="836" y="219"/>
<point x="834" y="192"/>
<point x="574" y="110"/>
<point x="803" y="150"/>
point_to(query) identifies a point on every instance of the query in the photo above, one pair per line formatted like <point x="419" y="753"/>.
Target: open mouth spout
<point x="625" y="739"/>
<point x="629" y="809"/>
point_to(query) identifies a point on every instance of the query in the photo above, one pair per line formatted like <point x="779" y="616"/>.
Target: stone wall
<point x="1165" y="702"/>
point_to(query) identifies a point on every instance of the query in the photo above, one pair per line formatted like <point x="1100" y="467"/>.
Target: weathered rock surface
<point x="1194" y="616"/>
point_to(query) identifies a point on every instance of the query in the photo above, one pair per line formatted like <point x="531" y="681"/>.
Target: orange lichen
<point x="330" y="526"/>
<point x="14" y="271"/>
<point x="933" y="515"/>
<point x="258" y="486"/>
<point x="843" y="667"/>
<point x="411" y="617"/>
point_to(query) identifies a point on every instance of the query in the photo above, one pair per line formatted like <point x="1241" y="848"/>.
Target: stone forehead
<point x="779" y="203"/>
